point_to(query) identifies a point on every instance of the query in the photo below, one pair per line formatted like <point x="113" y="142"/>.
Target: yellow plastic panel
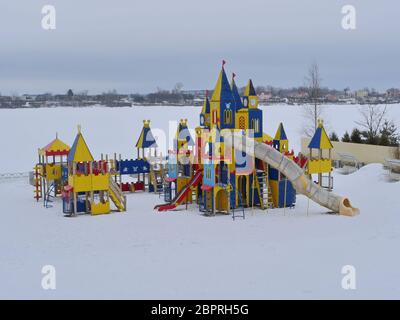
<point x="319" y="166"/>
<point x="53" y="171"/>
<point x="100" y="208"/>
<point x="275" y="192"/>
<point x="182" y="183"/>
<point x="81" y="183"/>
<point x="100" y="182"/>
<point x="221" y="201"/>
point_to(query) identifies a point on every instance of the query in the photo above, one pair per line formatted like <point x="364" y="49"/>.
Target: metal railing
<point x="13" y="175"/>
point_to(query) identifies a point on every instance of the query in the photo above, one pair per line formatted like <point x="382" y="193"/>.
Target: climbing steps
<point x="37" y="180"/>
<point x="49" y="196"/>
<point x="117" y="196"/>
<point x="263" y="189"/>
<point x="156" y="179"/>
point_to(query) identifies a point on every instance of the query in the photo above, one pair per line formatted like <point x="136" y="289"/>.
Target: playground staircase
<point x="239" y="211"/>
<point x="264" y="190"/>
<point x="156" y="179"/>
<point x="48" y="197"/>
<point x="117" y="196"/>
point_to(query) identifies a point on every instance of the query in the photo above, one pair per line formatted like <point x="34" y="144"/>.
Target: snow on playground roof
<point x="320" y="140"/>
<point x="80" y="151"/>
<point x="280" y="133"/>
<point x="55" y="148"/>
<point x="146" y="138"/>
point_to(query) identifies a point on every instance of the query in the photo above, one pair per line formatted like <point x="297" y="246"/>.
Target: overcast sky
<point x="137" y="46"/>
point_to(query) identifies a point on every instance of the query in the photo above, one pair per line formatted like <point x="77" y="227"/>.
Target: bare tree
<point x="83" y="93"/>
<point x="372" y="119"/>
<point x="312" y="112"/>
<point x="178" y="88"/>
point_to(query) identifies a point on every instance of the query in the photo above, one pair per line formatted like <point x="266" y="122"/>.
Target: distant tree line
<point x="161" y="96"/>
<point x="373" y="128"/>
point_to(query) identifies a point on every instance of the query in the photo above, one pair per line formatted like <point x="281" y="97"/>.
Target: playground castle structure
<point x="84" y="184"/>
<point x="89" y="186"/>
<point x="229" y="166"/>
<point x="235" y="165"/>
<point x="222" y="180"/>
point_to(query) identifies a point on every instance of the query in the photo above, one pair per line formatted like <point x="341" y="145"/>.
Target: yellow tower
<point x="89" y="182"/>
<point x="250" y="98"/>
<point x="322" y="162"/>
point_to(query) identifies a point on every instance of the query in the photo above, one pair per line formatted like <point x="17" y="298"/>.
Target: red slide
<point x="182" y="194"/>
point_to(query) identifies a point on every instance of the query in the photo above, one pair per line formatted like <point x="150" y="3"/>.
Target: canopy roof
<point x="80" y="151"/>
<point x="55" y="148"/>
<point x="320" y="140"/>
<point x="280" y="133"/>
<point x="146" y="138"/>
<point x="249" y="90"/>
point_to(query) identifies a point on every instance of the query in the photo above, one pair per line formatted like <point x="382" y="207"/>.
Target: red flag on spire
<point x="223" y="63"/>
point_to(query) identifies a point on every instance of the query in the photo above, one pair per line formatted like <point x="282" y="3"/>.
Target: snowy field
<point x="292" y="253"/>
<point x="109" y="130"/>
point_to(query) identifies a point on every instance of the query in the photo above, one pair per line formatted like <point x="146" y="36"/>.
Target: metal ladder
<point x="48" y="196"/>
<point x="264" y="190"/>
<point x="240" y="208"/>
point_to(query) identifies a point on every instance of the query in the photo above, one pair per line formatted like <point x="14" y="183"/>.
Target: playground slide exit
<point x="293" y="172"/>
<point x="180" y="197"/>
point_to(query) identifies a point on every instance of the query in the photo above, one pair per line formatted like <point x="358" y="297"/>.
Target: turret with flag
<point x="222" y="104"/>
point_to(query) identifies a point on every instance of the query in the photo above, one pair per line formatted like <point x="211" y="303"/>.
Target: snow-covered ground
<point x="292" y="253"/>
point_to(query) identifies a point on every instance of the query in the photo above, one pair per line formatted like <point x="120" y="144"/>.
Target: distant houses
<point x="266" y="95"/>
